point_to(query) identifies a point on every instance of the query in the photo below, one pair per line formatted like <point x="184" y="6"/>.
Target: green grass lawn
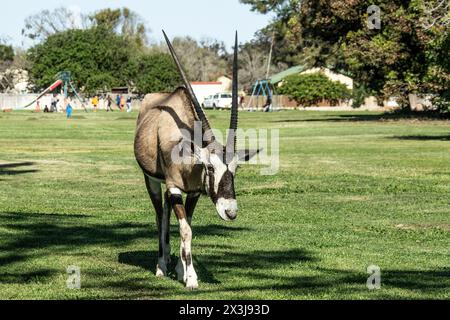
<point x="353" y="190"/>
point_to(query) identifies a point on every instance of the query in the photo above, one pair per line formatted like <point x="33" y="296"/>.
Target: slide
<point x="49" y="89"/>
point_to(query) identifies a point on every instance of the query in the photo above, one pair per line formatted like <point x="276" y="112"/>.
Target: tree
<point x="96" y="57"/>
<point x="124" y="22"/>
<point x="6" y="53"/>
<point x="156" y="73"/>
<point x="46" y="23"/>
<point x="253" y="64"/>
<point x="408" y="54"/>
<point x="121" y="21"/>
<point x="204" y="61"/>
<point x="285" y="28"/>
<point x="6" y="56"/>
<point x="99" y="59"/>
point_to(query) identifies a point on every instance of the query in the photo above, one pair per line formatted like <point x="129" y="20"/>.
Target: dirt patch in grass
<point x="440" y="226"/>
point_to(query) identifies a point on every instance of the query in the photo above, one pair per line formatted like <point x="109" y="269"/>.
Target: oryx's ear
<point x="247" y="155"/>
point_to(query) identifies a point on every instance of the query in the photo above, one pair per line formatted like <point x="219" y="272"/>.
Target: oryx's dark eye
<point x="210" y="168"/>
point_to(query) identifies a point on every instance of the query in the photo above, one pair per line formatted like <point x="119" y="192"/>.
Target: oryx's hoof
<point x="192" y="284"/>
<point x="161" y="271"/>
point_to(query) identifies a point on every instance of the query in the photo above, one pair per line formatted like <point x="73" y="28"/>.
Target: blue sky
<point x="197" y="18"/>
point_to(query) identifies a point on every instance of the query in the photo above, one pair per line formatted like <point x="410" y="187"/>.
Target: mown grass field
<point x="353" y="190"/>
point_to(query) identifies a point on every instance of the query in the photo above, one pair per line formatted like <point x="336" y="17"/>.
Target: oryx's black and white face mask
<point x="219" y="180"/>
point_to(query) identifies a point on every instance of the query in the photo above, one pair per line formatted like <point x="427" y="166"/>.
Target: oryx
<point x="211" y="168"/>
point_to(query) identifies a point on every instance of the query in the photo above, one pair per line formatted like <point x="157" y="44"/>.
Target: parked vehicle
<point x="218" y="101"/>
<point x="208" y="102"/>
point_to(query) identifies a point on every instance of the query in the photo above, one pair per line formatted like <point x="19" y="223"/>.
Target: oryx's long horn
<point x="231" y="143"/>
<point x="209" y="136"/>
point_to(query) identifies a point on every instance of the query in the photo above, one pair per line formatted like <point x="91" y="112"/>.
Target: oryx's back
<point x="161" y="117"/>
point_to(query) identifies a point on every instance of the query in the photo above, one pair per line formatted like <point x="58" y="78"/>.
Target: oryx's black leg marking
<point x="167" y="213"/>
<point x="154" y="190"/>
<point x="191" y="204"/>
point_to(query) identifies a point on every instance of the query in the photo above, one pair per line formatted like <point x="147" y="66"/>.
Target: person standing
<point x="109" y="102"/>
<point x="69" y="111"/>
<point x="268" y="106"/>
<point x="95" y="103"/>
<point x="53" y="104"/>
<point x="38" y="107"/>
<point x="122" y="103"/>
<point x="118" y="101"/>
<point x="241" y="101"/>
<point x="129" y="101"/>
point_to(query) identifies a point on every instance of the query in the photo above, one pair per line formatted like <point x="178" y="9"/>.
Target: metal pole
<point x="270" y="56"/>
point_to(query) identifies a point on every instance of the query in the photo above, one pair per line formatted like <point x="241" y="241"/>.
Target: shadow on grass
<point x="260" y="276"/>
<point x="229" y="261"/>
<point x="9" y="169"/>
<point x="293" y="272"/>
<point x="344" y="283"/>
<point x="148" y="260"/>
<point x="37" y="235"/>
<point x="26" y="277"/>
<point x="423" y="138"/>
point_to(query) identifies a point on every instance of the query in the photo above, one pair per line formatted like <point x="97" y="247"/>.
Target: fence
<point x="19" y="101"/>
<point x="284" y="102"/>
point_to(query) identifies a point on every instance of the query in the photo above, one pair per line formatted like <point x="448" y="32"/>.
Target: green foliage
<point x="360" y="93"/>
<point x="6" y="53"/>
<point x="99" y="59"/>
<point x="90" y="55"/>
<point x="156" y="73"/>
<point x="409" y="54"/>
<point x="310" y="89"/>
<point x="101" y="82"/>
<point x="108" y="18"/>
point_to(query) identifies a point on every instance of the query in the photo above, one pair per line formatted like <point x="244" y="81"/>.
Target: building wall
<point x="227" y="83"/>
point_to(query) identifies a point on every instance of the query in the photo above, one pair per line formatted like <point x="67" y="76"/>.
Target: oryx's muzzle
<point x="227" y="209"/>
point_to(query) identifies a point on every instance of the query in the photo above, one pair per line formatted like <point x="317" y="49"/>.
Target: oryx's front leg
<point x="186" y="269"/>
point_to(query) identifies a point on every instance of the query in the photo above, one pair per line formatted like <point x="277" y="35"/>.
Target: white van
<point x="218" y="101"/>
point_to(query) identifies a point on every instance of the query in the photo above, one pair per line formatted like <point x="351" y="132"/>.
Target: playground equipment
<point x="64" y="79"/>
<point x="262" y="88"/>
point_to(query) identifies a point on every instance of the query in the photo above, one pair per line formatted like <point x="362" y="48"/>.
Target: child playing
<point x="69" y="111"/>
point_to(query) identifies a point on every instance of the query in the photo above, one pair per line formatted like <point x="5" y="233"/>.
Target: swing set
<point x="262" y="88"/>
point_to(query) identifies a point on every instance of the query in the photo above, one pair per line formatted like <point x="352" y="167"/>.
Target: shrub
<point x="310" y="89"/>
